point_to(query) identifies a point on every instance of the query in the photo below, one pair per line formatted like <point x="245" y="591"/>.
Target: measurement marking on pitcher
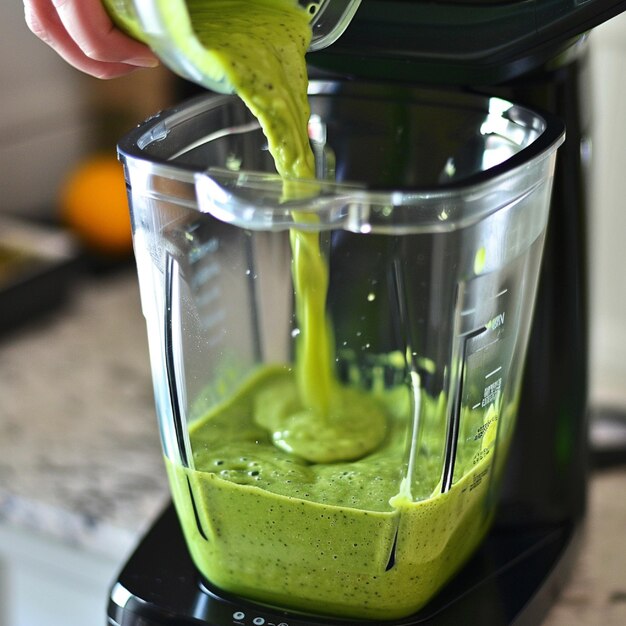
<point x="488" y="345"/>
<point x="471" y="311"/>
<point x="490" y="392"/>
<point x="495" y="322"/>
<point x="494" y="372"/>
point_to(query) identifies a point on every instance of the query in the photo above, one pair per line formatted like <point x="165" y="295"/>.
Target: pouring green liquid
<point x="298" y="493"/>
<point x="260" y="47"/>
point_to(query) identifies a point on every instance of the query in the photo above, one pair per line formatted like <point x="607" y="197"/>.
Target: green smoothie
<point x="304" y="492"/>
<point x="343" y="538"/>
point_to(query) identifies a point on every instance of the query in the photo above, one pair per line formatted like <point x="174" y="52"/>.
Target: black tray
<point x="37" y="265"/>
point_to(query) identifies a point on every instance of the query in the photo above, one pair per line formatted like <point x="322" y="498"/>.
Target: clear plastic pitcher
<point x="166" y="26"/>
<point x="430" y="210"/>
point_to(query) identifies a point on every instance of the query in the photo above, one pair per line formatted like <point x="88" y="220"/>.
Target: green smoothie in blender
<point x="305" y="494"/>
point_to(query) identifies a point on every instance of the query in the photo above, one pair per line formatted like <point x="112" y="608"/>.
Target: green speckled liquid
<point x="335" y="538"/>
<point x="298" y="491"/>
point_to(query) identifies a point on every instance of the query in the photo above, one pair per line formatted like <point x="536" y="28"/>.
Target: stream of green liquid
<point x="261" y="46"/>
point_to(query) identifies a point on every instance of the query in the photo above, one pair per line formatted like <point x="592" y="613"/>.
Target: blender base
<point x="511" y="580"/>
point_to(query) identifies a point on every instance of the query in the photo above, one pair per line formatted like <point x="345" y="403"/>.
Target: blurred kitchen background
<point x="51" y="119"/>
<point x="53" y="116"/>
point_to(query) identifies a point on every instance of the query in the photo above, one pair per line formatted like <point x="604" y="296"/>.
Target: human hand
<point x="82" y="33"/>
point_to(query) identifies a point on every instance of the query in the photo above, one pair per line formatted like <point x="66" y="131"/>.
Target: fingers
<point x="90" y="27"/>
<point x="82" y="33"/>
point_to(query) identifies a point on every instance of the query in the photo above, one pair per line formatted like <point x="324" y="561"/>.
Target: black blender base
<point x="512" y="580"/>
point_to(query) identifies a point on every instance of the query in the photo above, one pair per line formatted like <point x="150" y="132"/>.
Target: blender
<point x="452" y="324"/>
<point x="432" y="271"/>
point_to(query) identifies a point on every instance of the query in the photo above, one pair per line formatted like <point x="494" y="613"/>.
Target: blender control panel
<point x="241" y="617"/>
<point x="226" y="611"/>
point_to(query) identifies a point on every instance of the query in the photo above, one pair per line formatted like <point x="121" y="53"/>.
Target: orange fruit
<point x="93" y="205"/>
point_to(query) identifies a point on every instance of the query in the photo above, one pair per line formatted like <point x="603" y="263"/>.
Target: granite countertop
<point x="81" y="460"/>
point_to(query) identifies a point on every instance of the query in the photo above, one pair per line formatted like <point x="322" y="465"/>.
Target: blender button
<point x="239" y="615"/>
<point x="258" y="621"/>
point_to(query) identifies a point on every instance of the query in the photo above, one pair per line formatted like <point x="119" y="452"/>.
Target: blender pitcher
<point x="167" y="27"/>
<point x="429" y="212"/>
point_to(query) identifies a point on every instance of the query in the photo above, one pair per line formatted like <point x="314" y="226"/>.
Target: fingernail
<point x="143" y="61"/>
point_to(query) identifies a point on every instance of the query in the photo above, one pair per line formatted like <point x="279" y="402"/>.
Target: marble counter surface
<point x="81" y="462"/>
<point x="81" y="459"/>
